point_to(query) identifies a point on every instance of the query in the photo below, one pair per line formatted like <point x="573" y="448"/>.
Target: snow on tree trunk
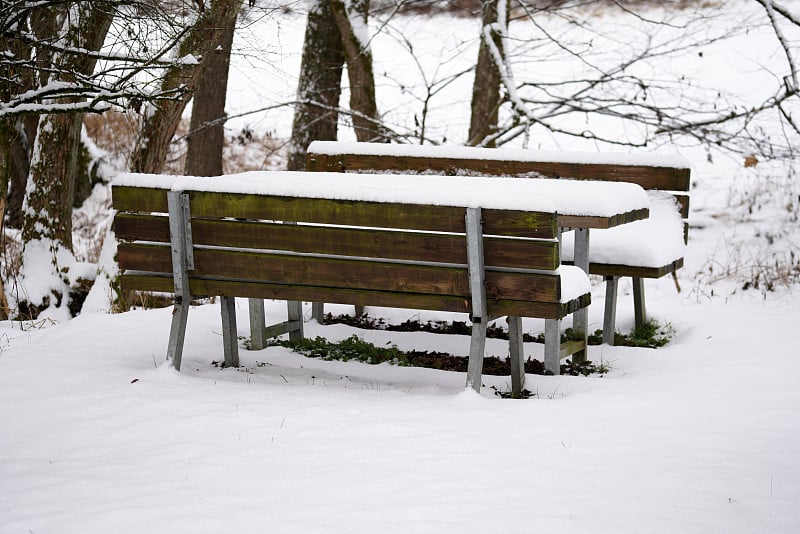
<point x="49" y="270"/>
<point x="181" y="79"/>
<point x="319" y="87"/>
<point x="486" y="87"/>
<point x="351" y="18"/>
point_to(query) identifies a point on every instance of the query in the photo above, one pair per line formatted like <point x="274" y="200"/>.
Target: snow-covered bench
<point x="437" y="243"/>
<point x="648" y="248"/>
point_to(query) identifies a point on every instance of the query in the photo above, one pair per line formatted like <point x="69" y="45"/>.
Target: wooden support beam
<point x="230" y="339"/>
<point x="552" y="346"/>
<point x="610" y="315"/>
<point x="639" y="307"/>
<point x="295" y="318"/>
<point x="516" y="355"/>
<point x="580" y="319"/>
<point x="477" y="287"/>
<point x="180" y="245"/>
<point x="257" y="323"/>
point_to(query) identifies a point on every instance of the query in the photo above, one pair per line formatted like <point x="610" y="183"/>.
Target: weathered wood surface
<point x="342" y="272"/>
<point x="361" y="242"/>
<point x="598" y="222"/>
<point x="606" y="269"/>
<point x="207" y="287"/>
<point x="663" y="178"/>
<point x="339" y="212"/>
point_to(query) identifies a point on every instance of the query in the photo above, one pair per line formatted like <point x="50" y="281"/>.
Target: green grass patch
<point x="355" y="348"/>
<point x="352" y="348"/>
<point x="650" y="335"/>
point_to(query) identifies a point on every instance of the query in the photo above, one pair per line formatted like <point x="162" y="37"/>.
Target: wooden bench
<point x="229" y="237"/>
<point x="650" y="248"/>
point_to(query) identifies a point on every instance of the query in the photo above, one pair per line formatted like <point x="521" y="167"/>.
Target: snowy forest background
<point x="94" y="88"/>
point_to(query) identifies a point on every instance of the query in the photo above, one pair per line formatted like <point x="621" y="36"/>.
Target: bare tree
<point x="486" y="98"/>
<point x="351" y="19"/>
<point x="162" y="117"/>
<point x="648" y="107"/>
<point x="206" y="135"/>
<point x="319" y="86"/>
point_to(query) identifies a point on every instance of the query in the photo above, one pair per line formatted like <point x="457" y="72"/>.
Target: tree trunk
<point x="51" y="181"/>
<point x="351" y="18"/>
<point x="17" y="133"/>
<point x="486" y="87"/>
<point x="204" y="37"/>
<point x="47" y="206"/>
<point x="319" y="87"/>
<point x="206" y="138"/>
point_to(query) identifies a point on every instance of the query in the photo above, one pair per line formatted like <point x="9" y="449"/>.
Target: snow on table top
<point x="569" y="197"/>
<point x="463" y="152"/>
<point x="652" y="242"/>
<point x="574" y="282"/>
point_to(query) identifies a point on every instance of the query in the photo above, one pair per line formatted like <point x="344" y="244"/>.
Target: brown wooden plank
<point x="570" y="347"/>
<point x="591" y="221"/>
<point x="369" y="243"/>
<point x="342" y="212"/>
<point x="665" y="178"/>
<point x="211" y="287"/>
<point x="603" y="269"/>
<point x="342" y="273"/>
<point x="683" y="202"/>
<point x="139" y="199"/>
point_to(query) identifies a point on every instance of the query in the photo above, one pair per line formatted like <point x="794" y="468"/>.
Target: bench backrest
<point x="356" y="252"/>
<point x="666" y="174"/>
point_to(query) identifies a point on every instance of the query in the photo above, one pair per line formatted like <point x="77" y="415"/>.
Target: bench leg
<point x="360" y="310"/>
<point x="552" y="345"/>
<point x="517" y="356"/>
<point x="580" y="319"/>
<point x="230" y="341"/>
<point x="318" y="311"/>
<point x="639" y="312"/>
<point x="295" y="317"/>
<point x="177" y="332"/>
<point x="257" y="324"/>
<point x="610" y="316"/>
<point x="477" y="346"/>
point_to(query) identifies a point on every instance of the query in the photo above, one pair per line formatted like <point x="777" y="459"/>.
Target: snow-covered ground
<point x="97" y="435"/>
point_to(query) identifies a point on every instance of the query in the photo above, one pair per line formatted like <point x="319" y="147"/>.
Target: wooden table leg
<point x="580" y="319"/>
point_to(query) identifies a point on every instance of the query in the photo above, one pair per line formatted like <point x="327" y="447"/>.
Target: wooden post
<point x="610" y="315"/>
<point x="639" y="311"/>
<point x="295" y="319"/>
<point x="230" y="340"/>
<point x="552" y="345"/>
<point x="318" y="311"/>
<point x="517" y="356"/>
<point x="580" y="319"/>
<point x="182" y="260"/>
<point x="475" y="259"/>
<point x="257" y="324"/>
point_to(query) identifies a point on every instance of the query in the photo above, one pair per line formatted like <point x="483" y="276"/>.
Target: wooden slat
<point x="370" y="243"/>
<point x="666" y="178"/>
<point x="342" y="212"/>
<point x="568" y="348"/>
<point x="342" y="273"/>
<point x="496" y="307"/>
<point x="583" y="221"/>
<point x="139" y="199"/>
<point x="603" y="269"/>
<point x="683" y="202"/>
